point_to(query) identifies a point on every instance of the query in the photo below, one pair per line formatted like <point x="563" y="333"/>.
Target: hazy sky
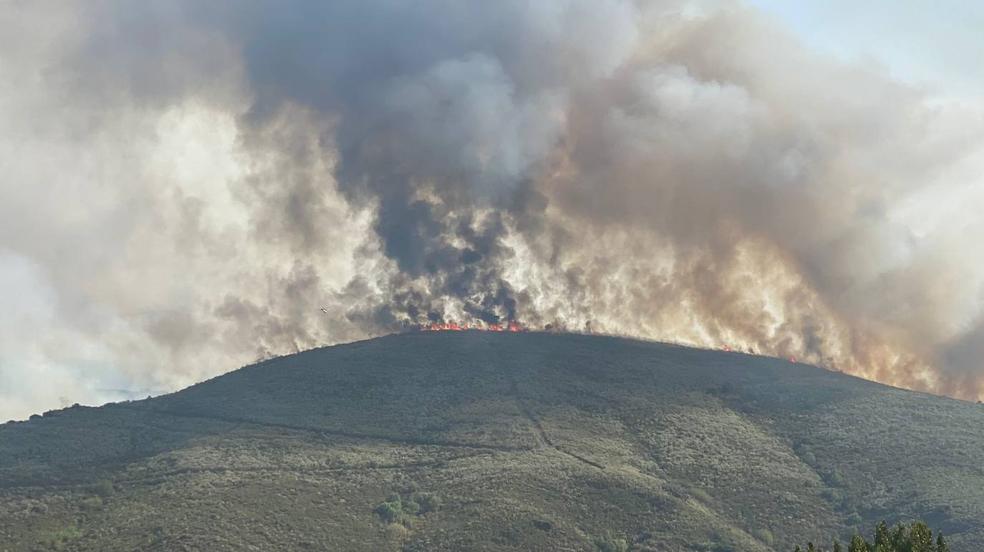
<point x="183" y="185"/>
<point x="935" y="43"/>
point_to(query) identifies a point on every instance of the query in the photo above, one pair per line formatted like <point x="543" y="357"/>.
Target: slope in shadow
<point x="531" y="441"/>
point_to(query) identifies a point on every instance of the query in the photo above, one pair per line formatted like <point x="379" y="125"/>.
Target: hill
<point x="496" y="441"/>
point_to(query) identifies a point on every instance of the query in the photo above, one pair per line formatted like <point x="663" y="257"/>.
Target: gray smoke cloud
<point x="186" y="185"/>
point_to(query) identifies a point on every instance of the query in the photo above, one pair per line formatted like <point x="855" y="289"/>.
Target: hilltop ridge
<point x="522" y="441"/>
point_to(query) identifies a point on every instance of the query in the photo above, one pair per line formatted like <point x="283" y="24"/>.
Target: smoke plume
<point x="191" y="186"/>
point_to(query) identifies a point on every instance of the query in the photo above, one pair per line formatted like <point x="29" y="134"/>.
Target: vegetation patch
<point x="61" y="538"/>
<point x="610" y="543"/>
<point x="916" y="537"/>
<point x="402" y="508"/>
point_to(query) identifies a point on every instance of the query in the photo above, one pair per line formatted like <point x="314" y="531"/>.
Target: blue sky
<point x="939" y="44"/>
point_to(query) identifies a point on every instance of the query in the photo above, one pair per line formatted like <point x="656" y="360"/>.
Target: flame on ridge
<point x="512" y="326"/>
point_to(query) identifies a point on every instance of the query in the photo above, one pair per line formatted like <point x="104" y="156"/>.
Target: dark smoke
<point x="666" y="169"/>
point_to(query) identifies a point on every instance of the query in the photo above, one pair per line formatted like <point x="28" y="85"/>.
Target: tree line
<point x="915" y="537"/>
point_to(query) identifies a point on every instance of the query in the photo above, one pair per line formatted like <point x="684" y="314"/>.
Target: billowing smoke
<point x="187" y="184"/>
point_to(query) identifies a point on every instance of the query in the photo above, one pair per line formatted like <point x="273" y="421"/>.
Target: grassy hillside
<point x="510" y="441"/>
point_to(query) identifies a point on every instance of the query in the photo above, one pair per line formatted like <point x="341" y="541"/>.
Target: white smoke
<point x="185" y="185"/>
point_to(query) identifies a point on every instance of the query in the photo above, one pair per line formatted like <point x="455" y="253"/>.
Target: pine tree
<point x="941" y="545"/>
<point x="837" y="547"/>
<point x="900" y="539"/>
<point x="858" y="544"/>
<point x="920" y="538"/>
<point x="882" y="536"/>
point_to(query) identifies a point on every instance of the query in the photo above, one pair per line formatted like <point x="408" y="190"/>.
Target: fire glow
<point x="512" y="326"/>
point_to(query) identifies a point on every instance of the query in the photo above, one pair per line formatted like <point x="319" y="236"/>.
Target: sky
<point x="185" y="186"/>
<point x="928" y="43"/>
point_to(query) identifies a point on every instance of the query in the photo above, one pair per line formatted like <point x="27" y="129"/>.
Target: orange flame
<point x="512" y="326"/>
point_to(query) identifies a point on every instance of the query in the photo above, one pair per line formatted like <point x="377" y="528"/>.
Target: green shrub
<point x="608" y="543"/>
<point x="410" y="506"/>
<point x="398" y="508"/>
<point x="834" y="478"/>
<point x="60" y="539"/>
<point x="834" y="496"/>
<point x="390" y="511"/>
<point x="429" y="502"/>
<point x="103" y="488"/>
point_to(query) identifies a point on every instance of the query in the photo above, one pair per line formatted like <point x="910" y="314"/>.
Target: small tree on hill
<point x="921" y="538"/>
<point x="858" y="544"/>
<point x="882" y="536"/>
